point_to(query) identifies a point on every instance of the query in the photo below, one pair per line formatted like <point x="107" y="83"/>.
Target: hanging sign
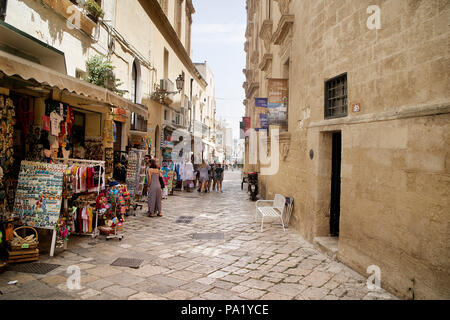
<point x="277" y="101"/>
<point x="247" y="125"/>
<point x="263" y="121"/>
<point x="120" y="114"/>
<point x="260" y="110"/>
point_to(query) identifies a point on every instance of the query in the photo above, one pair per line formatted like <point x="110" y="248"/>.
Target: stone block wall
<point x="395" y="154"/>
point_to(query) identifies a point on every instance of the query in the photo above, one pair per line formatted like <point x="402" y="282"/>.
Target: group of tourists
<point x="207" y="177"/>
<point x="210" y="177"/>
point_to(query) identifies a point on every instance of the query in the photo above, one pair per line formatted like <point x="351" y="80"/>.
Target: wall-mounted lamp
<point x="162" y="92"/>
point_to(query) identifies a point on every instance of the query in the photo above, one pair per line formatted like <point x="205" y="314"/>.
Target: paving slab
<point x="246" y="264"/>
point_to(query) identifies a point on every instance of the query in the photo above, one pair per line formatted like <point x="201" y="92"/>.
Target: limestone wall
<point x="395" y="156"/>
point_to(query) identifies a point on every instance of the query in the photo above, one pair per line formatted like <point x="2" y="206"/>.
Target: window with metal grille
<point x="336" y="103"/>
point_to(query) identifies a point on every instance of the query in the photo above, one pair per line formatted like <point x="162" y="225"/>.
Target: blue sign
<point x="264" y="121"/>
<point x="273" y="105"/>
<point x="261" y="102"/>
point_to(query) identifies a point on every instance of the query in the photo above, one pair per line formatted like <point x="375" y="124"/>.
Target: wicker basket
<point x="26" y="242"/>
<point x="3" y="266"/>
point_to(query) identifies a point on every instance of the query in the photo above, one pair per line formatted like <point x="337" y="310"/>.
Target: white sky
<point x="218" y="37"/>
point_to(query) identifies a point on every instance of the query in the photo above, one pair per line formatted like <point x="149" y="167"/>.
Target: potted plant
<point x="100" y="72"/>
<point x="94" y="10"/>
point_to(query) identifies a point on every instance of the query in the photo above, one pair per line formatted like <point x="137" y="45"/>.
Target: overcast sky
<point x="218" y="36"/>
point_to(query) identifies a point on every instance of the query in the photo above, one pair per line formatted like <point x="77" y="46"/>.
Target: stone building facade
<point x="365" y="149"/>
<point x="147" y="41"/>
<point x="206" y="117"/>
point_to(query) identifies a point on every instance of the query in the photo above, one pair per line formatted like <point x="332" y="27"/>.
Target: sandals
<point x="152" y="215"/>
<point x="159" y="214"/>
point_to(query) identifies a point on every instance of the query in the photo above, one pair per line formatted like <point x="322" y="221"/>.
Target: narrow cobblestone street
<point x="247" y="264"/>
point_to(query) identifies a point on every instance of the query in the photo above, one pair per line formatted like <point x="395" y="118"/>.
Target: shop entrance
<point x="118" y="141"/>
<point x="335" y="203"/>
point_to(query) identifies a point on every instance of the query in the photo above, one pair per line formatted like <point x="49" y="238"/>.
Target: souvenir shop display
<point x="169" y="178"/>
<point x="39" y="194"/>
<point x="7" y="122"/>
<point x="109" y="160"/>
<point x="94" y="148"/>
<point x="120" y="166"/>
<point x="136" y="172"/>
<point x="58" y="121"/>
<point x="35" y="145"/>
<point x="3" y="199"/>
<point x="83" y="182"/>
<point x="172" y="182"/>
<point x="187" y="175"/>
<point x="63" y="233"/>
<point x="113" y="203"/>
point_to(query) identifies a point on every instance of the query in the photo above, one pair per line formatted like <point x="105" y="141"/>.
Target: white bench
<point x="275" y="210"/>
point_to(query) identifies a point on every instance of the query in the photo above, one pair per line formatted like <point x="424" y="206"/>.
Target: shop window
<point x="3" y="4"/>
<point x="336" y="104"/>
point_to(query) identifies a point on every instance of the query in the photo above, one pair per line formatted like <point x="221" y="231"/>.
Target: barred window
<point x="336" y="102"/>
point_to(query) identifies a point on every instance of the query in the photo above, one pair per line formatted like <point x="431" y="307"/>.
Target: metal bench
<point x="275" y="210"/>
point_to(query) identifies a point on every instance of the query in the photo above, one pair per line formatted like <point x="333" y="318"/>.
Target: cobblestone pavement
<point x="246" y="264"/>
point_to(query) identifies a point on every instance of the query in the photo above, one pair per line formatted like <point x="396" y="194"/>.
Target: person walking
<point x="155" y="192"/>
<point x="214" y="184"/>
<point x="219" y="178"/>
<point x="147" y="159"/>
<point x="211" y="173"/>
<point x="204" y="176"/>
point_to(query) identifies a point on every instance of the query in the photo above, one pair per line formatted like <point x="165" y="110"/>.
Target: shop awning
<point x="15" y="66"/>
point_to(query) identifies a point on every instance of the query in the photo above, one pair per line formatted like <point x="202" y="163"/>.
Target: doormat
<point x="209" y="236"/>
<point x="184" y="219"/>
<point x="36" y="268"/>
<point x="127" y="262"/>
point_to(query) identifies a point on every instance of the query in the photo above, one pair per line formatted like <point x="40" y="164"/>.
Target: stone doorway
<point x="335" y="200"/>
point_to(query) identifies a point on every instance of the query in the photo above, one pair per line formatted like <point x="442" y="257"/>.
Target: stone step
<point x="327" y="245"/>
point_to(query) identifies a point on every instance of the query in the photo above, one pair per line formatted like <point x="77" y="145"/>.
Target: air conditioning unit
<point x="166" y="85"/>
